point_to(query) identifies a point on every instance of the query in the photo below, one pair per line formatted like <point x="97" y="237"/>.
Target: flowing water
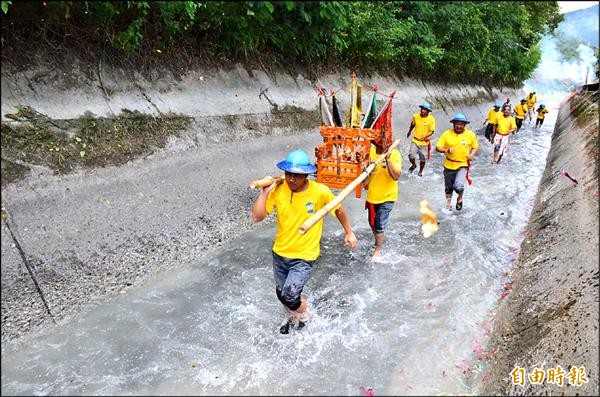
<point x="407" y="325"/>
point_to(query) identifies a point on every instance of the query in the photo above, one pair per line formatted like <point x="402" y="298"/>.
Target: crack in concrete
<point x="99" y="72"/>
<point x="26" y="262"/>
<point x="147" y="98"/>
<point x="263" y="92"/>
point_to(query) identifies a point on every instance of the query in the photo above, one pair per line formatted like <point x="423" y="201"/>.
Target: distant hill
<point x="582" y="24"/>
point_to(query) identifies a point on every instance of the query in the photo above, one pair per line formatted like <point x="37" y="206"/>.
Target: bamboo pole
<point x="266" y="182"/>
<point x="317" y="216"/>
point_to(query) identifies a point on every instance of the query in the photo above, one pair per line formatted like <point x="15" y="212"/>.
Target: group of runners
<point x="501" y="124"/>
<point x="298" y="197"/>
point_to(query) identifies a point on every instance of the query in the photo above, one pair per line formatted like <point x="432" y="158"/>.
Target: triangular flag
<point x="372" y="112"/>
<point x="383" y="122"/>
<point x="337" y="119"/>
<point x="326" y="118"/>
<point x="355" y="109"/>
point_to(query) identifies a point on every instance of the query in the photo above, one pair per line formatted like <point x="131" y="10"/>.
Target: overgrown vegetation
<point x="85" y="142"/>
<point x="479" y="42"/>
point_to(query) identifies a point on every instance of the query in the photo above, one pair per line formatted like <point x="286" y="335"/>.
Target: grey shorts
<point x="416" y="149"/>
<point x="290" y="277"/>
<point x="379" y="215"/>
<point x="454" y="180"/>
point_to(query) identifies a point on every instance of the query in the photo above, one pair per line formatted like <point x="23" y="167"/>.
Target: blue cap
<point x="460" y="117"/>
<point x="496" y="105"/>
<point x="297" y="162"/>
<point x="426" y="105"/>
<point x="542" y="105"/>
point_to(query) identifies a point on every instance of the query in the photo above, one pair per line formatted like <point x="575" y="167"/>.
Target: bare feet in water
<point x="376" y="255"/>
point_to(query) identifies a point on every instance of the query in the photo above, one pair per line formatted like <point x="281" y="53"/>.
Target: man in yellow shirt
<point x="491" y="118"/>
<point x="541" y="113"/>
<point x="530" y="105"/>
<point x="505" y="126"/>
<point x="459" y="144"/>
<point x="424" y="125"/>
<point x="382" y="191"/>
<point x="294" y="254"/>
<point x="520" y="111"/>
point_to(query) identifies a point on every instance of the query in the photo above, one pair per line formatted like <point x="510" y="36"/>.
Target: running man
<point x="294" y="254"/>
<point x="382" y="191"/>
<point x="505" y="126"/>
<point x="530" y="105"/>
<point x="541" y="113"/>
<point x="459" y="144"/>
<point x="491" y="118"/>
<point x="520" y="111"/>
<point x="424" y="125"/>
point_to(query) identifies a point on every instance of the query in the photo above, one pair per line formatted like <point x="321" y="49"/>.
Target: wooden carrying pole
<point x="317" y="216"/>
<point x="266" y="182"/>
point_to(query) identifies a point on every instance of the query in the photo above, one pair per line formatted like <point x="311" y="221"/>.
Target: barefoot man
<point x="424" y="125"/>
<point x="382" y="185"/>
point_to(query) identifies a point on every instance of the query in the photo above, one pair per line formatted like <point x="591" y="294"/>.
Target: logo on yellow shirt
<point x="310" y="208"/>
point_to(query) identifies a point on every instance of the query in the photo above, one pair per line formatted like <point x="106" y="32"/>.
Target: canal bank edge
<point x="550" y="318"/>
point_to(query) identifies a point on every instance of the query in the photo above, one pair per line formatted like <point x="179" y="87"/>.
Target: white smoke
<point x="554" y="73"/>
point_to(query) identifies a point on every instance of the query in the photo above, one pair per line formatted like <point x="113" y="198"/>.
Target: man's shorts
<point x="290" y="277"/>
<point x="519" y="123"/>
<point x="454" y="180"/>
<point x="416" y="149"/>
<point x="500" y="142"/>
<point x="539" y="122"/>
<point x="489" y="130"/>
<point x="379" y="215"/>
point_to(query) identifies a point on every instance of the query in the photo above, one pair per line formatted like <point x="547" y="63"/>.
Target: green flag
<point x="372" y="112"/>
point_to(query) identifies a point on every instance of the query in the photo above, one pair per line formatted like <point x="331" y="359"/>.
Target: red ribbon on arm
<point x="469" y="180"/>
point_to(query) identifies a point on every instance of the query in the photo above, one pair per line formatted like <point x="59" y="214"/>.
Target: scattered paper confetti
<point x="566" y="174"/>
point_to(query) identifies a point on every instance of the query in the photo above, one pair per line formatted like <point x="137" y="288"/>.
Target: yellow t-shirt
<point x="520" y="111"/>
<point x="292" y="211"/>
<point x="534" y="98"/>
<point x="542" y="113"/>
<point x="382" y="187"/>
<point x="462" y="144"/>
<point x="423" y="127"/>
<point x="505" y="124"/>
<point x="493" y="115"/>
<point x="530" y="101"/>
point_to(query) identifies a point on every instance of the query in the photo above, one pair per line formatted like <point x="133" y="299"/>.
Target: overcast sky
<point x="567" y="6"/>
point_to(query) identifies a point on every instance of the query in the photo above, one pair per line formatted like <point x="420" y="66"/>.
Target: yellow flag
<point x="355" y="112"/>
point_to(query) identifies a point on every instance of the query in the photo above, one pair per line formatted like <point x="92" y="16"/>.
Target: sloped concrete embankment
<point x="93" y="233"/>
<point x="551" y="317"/>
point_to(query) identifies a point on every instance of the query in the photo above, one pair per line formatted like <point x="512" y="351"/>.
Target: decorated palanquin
<point x="345" y="150"/>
